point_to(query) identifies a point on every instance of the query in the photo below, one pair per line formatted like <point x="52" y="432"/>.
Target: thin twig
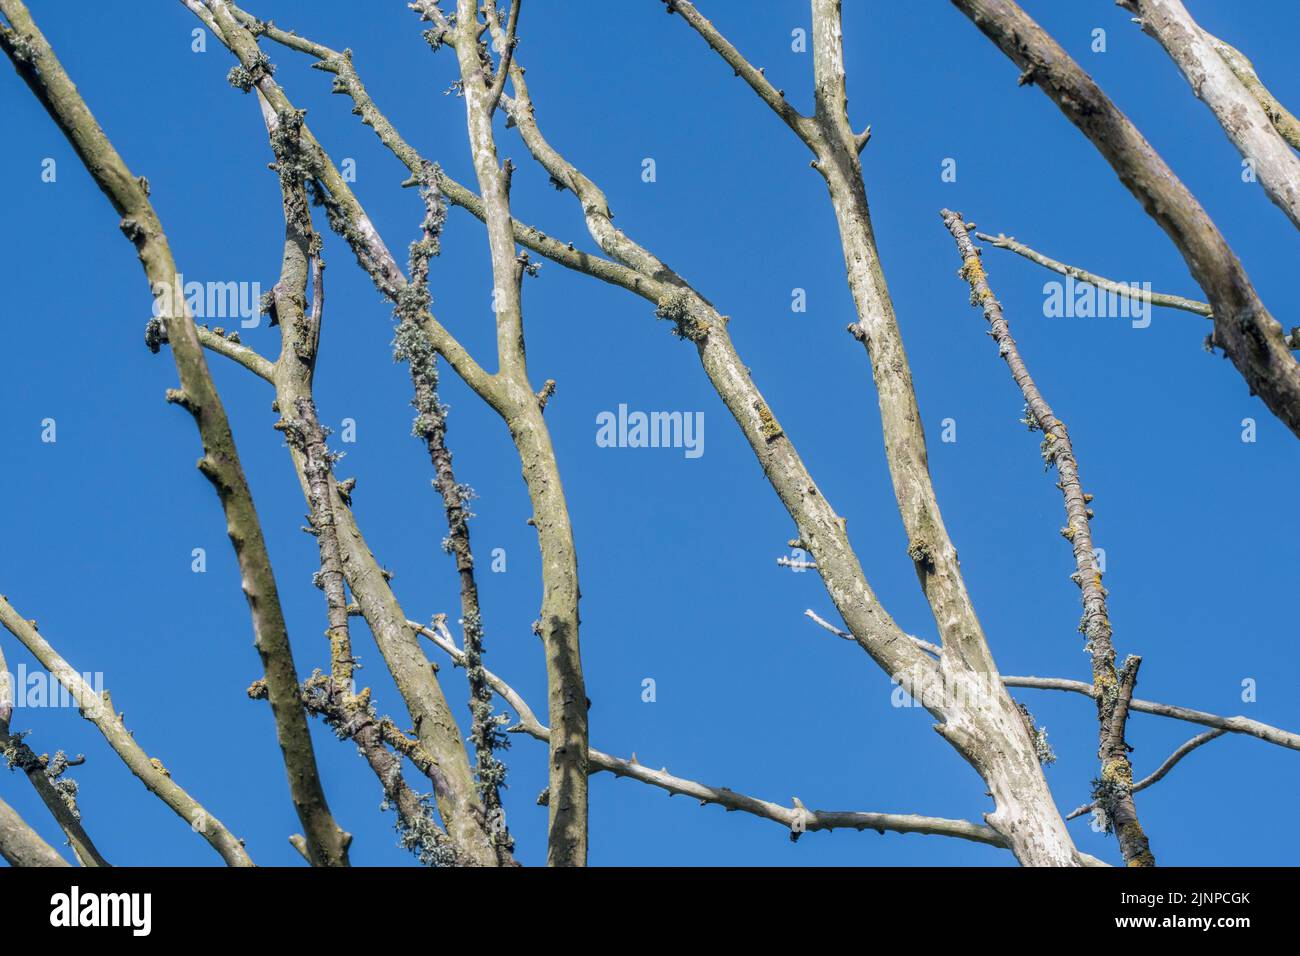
<point x="755" y="77"/>
<point x="1155" y="777"/>
<point x="1058" y="449"/>
<point x="796" y="817"/>
<point x="1107" y="285"/>
<point x="507" y="44"/>
<point x="1233" y="725"/>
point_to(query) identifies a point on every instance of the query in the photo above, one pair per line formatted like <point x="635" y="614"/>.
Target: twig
<point x="926" y="646"/>
<point x="1155" y="777"/>
<point x="796" y="818"/>
<point x="1025" y="808"/>
<point x="1107" y="285"/>
<point x="1113" y="792"/>
<point x="1058" y="449"/>
<point x="507" y="44"/>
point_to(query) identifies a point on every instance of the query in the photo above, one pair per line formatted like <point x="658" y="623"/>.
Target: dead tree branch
<point x="1234" y="725"/>
<point x="1282" y="119"/>
<point x="41" y="70"/>
<point x="149" y="770"/>
<point x="993" y="736"/>
<point x="1211" y="76"/>
<point x="797" y="818"/>
<point x="20" y="845"/>
<point x="435" y="726"/>
<point x="558" y="620"/>
<point x="1107" y="285"/>
<point x="45" y="774"/>
<point x="1159" y="773"/>
<point x="1113" y="693"/>
<point x="1243" y="326"/>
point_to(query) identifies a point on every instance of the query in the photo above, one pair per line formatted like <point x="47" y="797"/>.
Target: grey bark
<point x="1212" y="78"/>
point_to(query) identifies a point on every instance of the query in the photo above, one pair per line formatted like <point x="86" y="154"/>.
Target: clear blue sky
<point x="677" y="555"/>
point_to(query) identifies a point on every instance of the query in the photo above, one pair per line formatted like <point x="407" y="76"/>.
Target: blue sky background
<point x="677" y="556"/>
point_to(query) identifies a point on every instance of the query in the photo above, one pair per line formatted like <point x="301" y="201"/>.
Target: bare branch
<point x="347" y="217"/>
<point x="1243" y="326"/>
<point x="1107" y="285"/>
<point x="149" y="770"/>
<point x="43" y="73"/>
<point x="331" y="696"/>
<point x="1239" y="725"/>
<point x="558" y="623"/>
<point x="1282" y="119"/>
<point x="352" y="717"/>
<point x="1058" y="449"/>
<point x="415" y="679"/>
<point x="413" y="347"/>
<point x="1015" y="778"/>
<point x="796" y="818"/>
<point x="233" y="350"/>
<point x="349" y="82"/>
<point x="817" y="619"/>
<point x="769" y="94"/>
<point x="506" y="43"/>
<point x="699" y="322"/>
<point x="20" y="845"/>
<point x="1155" y="777"/>
<point x="1236" y="725"/>
<point x="1213" y="80"/>
<point x="59" y="800"/>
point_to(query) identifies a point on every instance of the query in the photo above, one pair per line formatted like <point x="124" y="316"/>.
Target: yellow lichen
<point x="767" y="423"/>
